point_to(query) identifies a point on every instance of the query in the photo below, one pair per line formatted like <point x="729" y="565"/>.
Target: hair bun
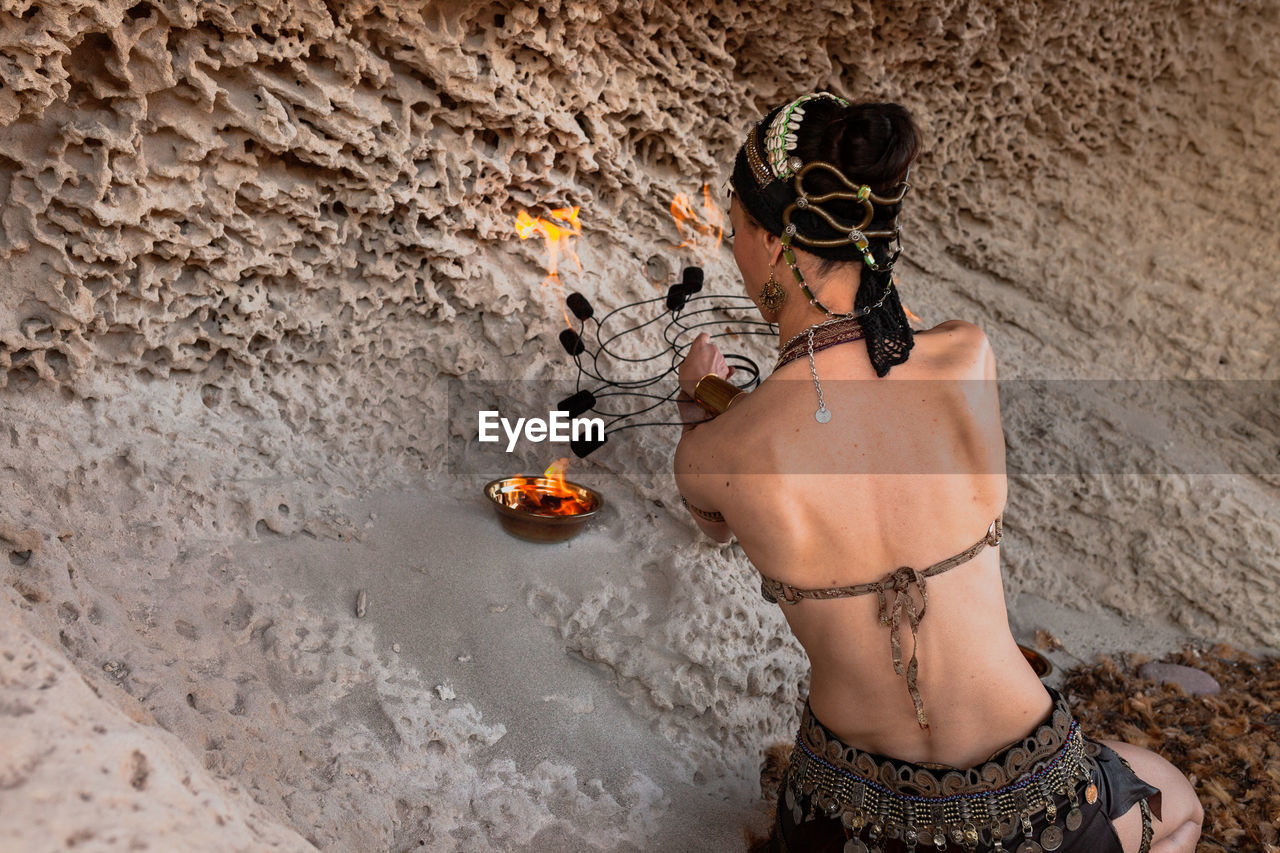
<point x="873" y="143"/>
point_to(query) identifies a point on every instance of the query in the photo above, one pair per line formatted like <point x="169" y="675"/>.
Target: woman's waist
<point x="963" y="645"/>
<point x="978" y="707"/>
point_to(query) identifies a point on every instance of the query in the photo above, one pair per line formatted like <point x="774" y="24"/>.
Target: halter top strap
<point x="896" y="601"/>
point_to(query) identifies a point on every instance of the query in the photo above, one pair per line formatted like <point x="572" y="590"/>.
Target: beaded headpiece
<point x="760" y="170"/>
<point x="780" y="139"/>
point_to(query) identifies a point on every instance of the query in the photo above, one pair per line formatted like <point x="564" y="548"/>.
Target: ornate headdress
<point x="770" y="179"/>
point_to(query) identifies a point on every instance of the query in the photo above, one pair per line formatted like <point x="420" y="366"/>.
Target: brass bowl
<point x="1038" y="662"/>
<point x="536" y="527"/>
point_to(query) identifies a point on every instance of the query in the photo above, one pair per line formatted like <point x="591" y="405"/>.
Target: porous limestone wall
<point x="101" y="780"/>
<point x="244" y="245"/>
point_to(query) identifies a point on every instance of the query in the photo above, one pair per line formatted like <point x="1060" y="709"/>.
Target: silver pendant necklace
<point x="788" y="351"/>
<point x="823" y="414"/>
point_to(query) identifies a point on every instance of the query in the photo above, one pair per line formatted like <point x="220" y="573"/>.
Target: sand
<point x="612" y="692"/>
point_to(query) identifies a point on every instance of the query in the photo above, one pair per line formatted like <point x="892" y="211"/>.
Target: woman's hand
<point x="703" y="357"/>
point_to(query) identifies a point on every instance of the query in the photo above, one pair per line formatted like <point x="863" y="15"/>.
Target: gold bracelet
<point x="709" y="515"/>
<point x="715" y="394"/>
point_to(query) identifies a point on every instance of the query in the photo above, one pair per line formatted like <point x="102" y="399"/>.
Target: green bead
<point x="863" y="192"/>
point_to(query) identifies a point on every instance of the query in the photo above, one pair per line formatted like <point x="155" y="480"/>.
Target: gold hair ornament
<point x="853" y="234"/>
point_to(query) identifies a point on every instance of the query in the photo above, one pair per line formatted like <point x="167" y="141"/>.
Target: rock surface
<point x="1197" y="682"/>
<point x="114" y="783"/>
<point x="244" y="247"/>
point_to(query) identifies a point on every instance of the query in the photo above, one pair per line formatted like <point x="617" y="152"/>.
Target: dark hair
<point x="872" y="144"/>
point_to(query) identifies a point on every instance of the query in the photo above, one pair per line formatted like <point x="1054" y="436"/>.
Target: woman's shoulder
<point x="957" y="332"/>
<point x="957" y="347"/>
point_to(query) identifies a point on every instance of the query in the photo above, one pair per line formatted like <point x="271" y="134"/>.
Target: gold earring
<point x="772" y="295"/>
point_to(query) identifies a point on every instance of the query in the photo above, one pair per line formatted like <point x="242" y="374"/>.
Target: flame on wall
<point x="700" y="230"/>
<point x="558" y="233"/>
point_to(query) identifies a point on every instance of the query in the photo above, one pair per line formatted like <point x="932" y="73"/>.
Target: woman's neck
<point x="837" y="291"/>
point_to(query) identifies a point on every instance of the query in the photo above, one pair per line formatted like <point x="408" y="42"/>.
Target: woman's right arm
<point x="694" y="454"/>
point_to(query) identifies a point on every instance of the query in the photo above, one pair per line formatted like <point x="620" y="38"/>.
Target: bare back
<point x="918" y="475"/>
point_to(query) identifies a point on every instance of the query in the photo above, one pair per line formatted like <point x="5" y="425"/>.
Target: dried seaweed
<point x="1227" y="743"/>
